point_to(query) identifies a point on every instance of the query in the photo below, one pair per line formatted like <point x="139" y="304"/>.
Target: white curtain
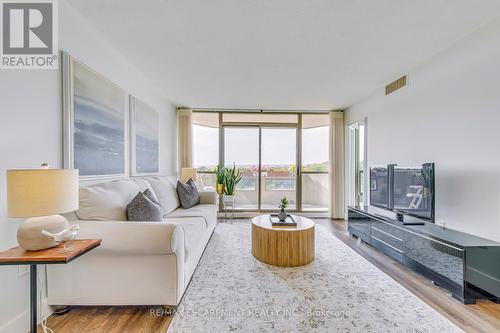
<point x="337" y="200"/>
<point x="184" y="138"/>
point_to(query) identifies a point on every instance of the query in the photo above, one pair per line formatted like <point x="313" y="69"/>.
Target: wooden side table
<point x="61" y="254"/>
<point x="283" y="246"/>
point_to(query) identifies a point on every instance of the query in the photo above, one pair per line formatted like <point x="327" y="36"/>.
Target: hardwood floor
<point x="116" y="319"/>
<point x="481" y="317"/>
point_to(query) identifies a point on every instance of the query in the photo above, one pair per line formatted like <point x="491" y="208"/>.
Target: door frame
<point x="354" y="183"/>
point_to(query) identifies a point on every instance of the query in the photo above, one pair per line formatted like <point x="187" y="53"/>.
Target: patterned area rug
<point x="339" y="291"/>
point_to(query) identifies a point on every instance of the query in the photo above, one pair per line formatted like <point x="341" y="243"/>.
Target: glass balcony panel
<point x="315" y="191"/>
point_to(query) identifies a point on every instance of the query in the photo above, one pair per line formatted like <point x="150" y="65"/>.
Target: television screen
<point x="413" y="190"/>
<point x="379" y="186"/>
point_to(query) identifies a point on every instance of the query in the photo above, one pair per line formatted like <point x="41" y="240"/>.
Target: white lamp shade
<point x="41" y="192"/>
<point x="187" y="173"/>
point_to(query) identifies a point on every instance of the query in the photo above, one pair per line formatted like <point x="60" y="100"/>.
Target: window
<point x="279" y="166"/>
<point x="261" y="118"/>
<point x="267" y="148"/>
<point x="315" y="162"/>
<point x="315" y="136"/>
<point x="247" y="183"/>
<point x="241" y="149"/>
<point x="206" y="147"/>
<point x="206" y="180"/>
<point x="205" y="141"/>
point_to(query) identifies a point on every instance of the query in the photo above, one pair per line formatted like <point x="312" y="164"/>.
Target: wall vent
<point x="393" y="86"/>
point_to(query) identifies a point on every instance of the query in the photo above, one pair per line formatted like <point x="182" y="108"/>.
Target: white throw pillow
<point x="107" y="201"/>
<point x="166" y="193"/>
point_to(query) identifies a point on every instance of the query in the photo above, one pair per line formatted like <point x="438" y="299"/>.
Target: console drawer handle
<point x="385" y="233"/>
<point x="389" y="245"/>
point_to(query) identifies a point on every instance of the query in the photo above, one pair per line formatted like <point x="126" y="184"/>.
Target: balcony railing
<point x="315" y="191"/>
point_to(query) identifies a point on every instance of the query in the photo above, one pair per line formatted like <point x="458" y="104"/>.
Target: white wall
<point x="80" y="40"/>
<point x="31" y="133"/>
<point x="449" y="114"/>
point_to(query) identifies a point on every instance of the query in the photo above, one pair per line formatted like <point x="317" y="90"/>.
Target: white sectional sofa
<point x="138" y="263"/>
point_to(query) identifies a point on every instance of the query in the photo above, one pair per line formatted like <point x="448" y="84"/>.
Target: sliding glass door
<point x="278" y="167"/>
<point x="267" y="158"/>
<point x="278" y="154"/>
<point x="241" y="148"/>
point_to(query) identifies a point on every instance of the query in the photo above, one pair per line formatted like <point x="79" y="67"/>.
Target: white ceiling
<point x="280" y="54"/>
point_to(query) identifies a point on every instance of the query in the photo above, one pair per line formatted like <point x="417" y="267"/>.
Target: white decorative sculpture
<point x="65" y="235"/>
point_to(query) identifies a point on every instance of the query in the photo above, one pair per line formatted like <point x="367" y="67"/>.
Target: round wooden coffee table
<point x="283" y="246"/>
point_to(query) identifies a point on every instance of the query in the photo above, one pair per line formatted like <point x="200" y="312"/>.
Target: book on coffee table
<point x="275" y="221"/>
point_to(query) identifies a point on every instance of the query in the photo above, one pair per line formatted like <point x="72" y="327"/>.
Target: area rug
<point x="339" y="291"/>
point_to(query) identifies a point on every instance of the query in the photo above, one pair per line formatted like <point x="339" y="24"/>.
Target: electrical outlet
<point x="23" y="270"/>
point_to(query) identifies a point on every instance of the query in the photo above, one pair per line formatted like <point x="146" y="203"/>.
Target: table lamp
<point x="39" y="195"/>
<point x="187" y="173"/>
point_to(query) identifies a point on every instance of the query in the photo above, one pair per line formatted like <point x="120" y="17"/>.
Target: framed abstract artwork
<point x="95" y="122"/>
<point x="144" y="138"/>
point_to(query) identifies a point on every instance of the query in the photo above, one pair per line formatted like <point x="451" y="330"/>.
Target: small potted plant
<point x="220" y="175"/>
<point x="232" y="177"/>
<point x="282" y="206"/>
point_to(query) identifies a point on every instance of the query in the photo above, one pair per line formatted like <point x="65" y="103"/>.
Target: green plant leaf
<point x="283" y="203"/>
<point x="220" y="174"/>
<point x="232" y="177"/>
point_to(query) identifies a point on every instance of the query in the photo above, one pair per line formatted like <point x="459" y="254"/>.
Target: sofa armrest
<point x="208" y="197"/>
<point x="141" y="238"/>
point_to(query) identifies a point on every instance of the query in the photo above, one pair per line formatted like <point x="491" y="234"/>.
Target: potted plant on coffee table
<point x="220" y="175"/>
<point x="282" y="206"/>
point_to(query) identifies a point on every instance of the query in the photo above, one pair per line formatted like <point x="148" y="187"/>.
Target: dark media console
<point x="466" y="265"/>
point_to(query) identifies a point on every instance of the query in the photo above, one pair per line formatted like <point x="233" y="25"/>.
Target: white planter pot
<point x="228" y="198"/>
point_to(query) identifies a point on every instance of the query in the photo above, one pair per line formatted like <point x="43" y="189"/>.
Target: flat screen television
<point x="379" y="186"/>
<point x="412" y="190"/>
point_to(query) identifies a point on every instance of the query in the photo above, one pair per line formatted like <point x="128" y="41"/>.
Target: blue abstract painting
<point x="99" y="124"/>
<point x="146" y="137"/>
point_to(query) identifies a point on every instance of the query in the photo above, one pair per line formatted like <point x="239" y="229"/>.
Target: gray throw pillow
<point x="188" y="194"/>
<point x="141" y="208"/>
<point x="151" y="196"/>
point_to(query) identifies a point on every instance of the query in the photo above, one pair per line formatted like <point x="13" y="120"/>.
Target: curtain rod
<point x="259" y="110"/>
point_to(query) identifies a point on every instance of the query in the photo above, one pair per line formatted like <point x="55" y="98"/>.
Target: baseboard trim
<point x="17" y="324"/>
<point x="20" y="323"/>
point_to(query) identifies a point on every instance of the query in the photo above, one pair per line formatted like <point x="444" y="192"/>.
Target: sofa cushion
<point x="142" y="183"/>
<point x="144" y="208"/>
<point x="129" y="237"/>
<point x="194" y="233"/>
<point x="107" y="201"/>
<point x="146" y="188"/>
<point x="166" y="193"/>
<point x="207" y="212"/>
<point x="188" y="194"/>
<point x="208" y="197"/>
